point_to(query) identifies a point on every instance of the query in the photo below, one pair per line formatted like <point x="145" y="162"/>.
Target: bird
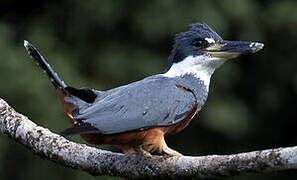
<point x="136" y="117"/>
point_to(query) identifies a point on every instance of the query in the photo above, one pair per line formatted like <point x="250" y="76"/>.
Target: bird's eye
<point x="200" y="43"/>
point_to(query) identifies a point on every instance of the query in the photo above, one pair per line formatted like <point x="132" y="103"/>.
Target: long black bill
<point x="232" y="49"/>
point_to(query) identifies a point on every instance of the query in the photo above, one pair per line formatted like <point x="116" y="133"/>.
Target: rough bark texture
<point x="99" y="162"/>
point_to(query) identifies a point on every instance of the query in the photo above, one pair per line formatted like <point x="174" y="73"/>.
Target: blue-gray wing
<point x="144" y="104"/>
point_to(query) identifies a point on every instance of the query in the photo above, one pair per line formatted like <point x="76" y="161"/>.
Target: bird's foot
<point x="142" y="152"/>
<point x="170" y="152"/>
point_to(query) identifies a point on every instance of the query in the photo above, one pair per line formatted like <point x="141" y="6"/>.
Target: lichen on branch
<point x="56" y="148"/>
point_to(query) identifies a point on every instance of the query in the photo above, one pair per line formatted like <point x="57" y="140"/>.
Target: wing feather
<point x="147" y="103"/>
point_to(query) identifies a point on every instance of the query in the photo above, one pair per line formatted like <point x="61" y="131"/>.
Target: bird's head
<point x="201" y="50"/>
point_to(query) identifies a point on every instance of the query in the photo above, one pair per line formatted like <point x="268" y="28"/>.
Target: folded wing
<point x="151" y="102"/>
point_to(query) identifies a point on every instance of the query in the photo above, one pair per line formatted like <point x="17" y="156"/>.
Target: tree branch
<point x="99" y="162"/>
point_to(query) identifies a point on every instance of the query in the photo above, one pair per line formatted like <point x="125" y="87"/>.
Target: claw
<point x="143" y="152"/>
<point x="170" y="152"/>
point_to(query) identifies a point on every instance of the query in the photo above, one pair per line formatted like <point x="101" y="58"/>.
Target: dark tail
<point x="47" y="69"/>
<point x="85" y="94"/>
<point x="80" y="128"/>
<point x="75" y="97"/>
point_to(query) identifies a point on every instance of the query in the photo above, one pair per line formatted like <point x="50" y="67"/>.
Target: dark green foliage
<point x="104" y="44"/>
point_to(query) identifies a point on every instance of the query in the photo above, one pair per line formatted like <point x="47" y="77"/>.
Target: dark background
<point x="104" y="44"/>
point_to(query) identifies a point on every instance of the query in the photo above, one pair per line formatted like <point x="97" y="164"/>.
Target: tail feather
<point x="85" y="94"/>
<point x="72" y="99"/>
<point x="47" y="69"/>
<point x="80" y="128"/>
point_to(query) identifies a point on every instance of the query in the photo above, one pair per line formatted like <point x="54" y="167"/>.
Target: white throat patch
<point x="201" y="67"/>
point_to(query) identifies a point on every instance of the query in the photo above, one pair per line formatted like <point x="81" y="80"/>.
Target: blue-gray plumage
<point x="153" y="101"/>
<point x="196" y="35"/>
<point x="137" y="116"/>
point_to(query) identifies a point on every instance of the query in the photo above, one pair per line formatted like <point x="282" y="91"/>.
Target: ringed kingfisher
<point x="136" y="117"/>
